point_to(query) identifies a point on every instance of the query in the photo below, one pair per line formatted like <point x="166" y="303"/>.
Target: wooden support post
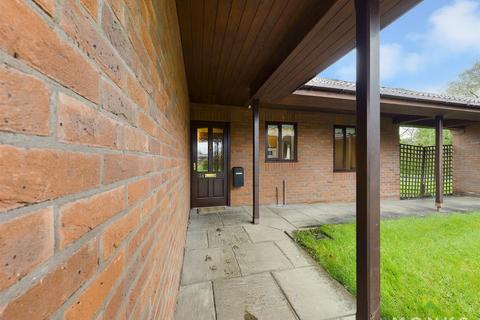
<point x="256" y="161"/>
<point x="424" y="165"/>
<point x="439" y="161"/>
<point x="368" y="159"/>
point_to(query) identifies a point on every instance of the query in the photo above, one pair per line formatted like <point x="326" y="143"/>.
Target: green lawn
<point x="430" y="265"/>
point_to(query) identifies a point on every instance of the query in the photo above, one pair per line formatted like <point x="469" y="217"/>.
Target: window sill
<point x="280" y="161"/>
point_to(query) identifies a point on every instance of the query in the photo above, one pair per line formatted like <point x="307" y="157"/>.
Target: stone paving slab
<point x="196" y="240"/>
<point x="235" y="219"/>
<point x="203" y="265"/>
<point x="260" y="257"/>
<point x="268" y="211"/>
<point x="276" y="222"/>
<point x="227" y="236"/>
<point x="297" y="218"/>
<point x="297" y="256"/>
<point x="461" y="204"/>
<point x="252" y="297"/>
<point x="314" y="294"/>
<point x="204" y="222"/>
<point x="260" y="233"/>
<point x="195" y="302"/>
<point x="320" y="215"/>
<point x="290" y="214"/>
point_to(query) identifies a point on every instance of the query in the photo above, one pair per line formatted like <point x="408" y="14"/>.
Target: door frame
<point x="228" y="171"/>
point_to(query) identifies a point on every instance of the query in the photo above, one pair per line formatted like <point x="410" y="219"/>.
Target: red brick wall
<point x="466" y="160"/>
<point x="94" y="183"/>
<point x="311" y="179"/>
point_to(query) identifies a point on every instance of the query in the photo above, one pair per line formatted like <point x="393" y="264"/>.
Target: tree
<point x="422" y="136"/>
<point x="468" y="83"/>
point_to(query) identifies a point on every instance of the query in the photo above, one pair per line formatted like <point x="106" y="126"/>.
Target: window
<point x="344" y="148"/>
<point x="281" y="142"/>
<point x="202" y="150"/>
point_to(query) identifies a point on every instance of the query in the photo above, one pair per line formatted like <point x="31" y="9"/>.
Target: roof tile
<point x="319" y="83"/>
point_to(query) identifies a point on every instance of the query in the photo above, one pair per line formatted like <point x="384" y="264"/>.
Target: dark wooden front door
<point x="209" y="164"/>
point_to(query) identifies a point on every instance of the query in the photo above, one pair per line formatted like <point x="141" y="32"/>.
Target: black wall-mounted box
<point x="238" y="176"/>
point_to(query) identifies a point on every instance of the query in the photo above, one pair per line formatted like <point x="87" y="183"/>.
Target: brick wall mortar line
<point x="19" y="65"/>
<point x="106" y="79"/>
<point x="61" y="34"/>
<point x="37" y="142"/>
<point x="102" y="170"/>
<point x="53" y="113"/>
<point x="182" y="259"/>
<point x="100" y="5"/>
<point x="159" y="300"/>
<point x="25" y="210"/>
<point x="146" y="280"/>
<point x="71" y="299"/>
<point x="146" y="311"/>
<point x="56" y="227"/>
<point x="25" y="283"/>
<point x="101" y="31"/>
<point x="127" y="267"/>
<point x="39" y="11"/>
<point x="66" y="39"/>
<point x="151" y="234"/>
<point x="139" y="110"/>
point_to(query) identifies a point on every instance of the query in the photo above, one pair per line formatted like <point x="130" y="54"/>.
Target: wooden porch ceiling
<point x="235" y="50"/>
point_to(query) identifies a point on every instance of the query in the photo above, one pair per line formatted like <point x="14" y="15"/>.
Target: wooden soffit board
<point x="407" y="111"/>
<point x="331" y="38"/>
<point x="238" y="49"/>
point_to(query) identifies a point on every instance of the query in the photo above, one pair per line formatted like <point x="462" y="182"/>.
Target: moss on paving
<point x="430" y="266"/>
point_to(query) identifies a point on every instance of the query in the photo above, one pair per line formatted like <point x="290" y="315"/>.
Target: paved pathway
<point x="236" y="270"/>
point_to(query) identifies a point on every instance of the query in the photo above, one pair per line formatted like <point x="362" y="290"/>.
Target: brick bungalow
<point x="103" y="102"/>
<point x="316" y="172"/>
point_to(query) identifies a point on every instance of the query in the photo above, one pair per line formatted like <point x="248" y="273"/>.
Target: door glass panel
<point x="202" y="150"/>
<point x="288" y="141"/>
<point x="272" y="149"/>
<point x="339" y="149"/>
<point x="350" y="149"/>
<point x="217" y="143"/>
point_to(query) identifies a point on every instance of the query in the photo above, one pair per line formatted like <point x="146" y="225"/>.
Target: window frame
<point x="279" y="141"/>
<point x="344" y="130"/>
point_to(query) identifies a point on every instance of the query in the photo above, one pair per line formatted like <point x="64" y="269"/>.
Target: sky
<point x="426" y="48"/>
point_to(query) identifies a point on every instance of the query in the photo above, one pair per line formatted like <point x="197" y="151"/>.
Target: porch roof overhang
<point x="236" y="51"/>
<point x="406" y="107"/>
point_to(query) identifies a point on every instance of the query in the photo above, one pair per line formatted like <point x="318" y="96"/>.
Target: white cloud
<point x="453" y="31"/>
<point x="347" y="72"/>
<point x="390" y="54"/>
<point x="393" y="60"/>
<point x="432" y="88"/>
<point x="413" y="61"/>
<point x="456" y="27"/>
